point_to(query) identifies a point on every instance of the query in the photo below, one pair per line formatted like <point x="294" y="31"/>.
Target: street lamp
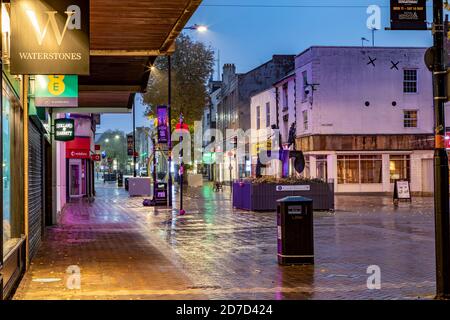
<point x="107" y="140"/>
<point x="117" y="137"/>
<point x="197" y="27"/>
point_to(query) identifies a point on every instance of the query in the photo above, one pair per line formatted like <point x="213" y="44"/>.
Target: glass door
<point x="75" y="180"/>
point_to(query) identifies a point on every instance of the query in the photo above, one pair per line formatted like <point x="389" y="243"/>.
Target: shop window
<point x="355" y="169"/>
<point x="11" y="218"/>
<point x="348" y="169"/>
<point x="267" y="114"/>
<point x="371" y="169"/>
<point x="399" y="167"/>
<point x="322" y="168"/>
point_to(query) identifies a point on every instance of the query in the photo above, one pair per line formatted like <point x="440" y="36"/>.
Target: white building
<point x="364" y="116"/>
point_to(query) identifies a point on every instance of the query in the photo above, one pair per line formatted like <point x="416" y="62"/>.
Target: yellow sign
<point x="56" y="85"/>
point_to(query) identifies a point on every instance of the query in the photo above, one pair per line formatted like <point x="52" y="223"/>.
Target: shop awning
<point x="126" y="38"/>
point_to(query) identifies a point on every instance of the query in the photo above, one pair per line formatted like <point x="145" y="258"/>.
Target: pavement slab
<point x="126" y="251"/>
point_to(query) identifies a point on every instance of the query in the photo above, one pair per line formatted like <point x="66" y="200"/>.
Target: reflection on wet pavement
<point x="218" y="252"/>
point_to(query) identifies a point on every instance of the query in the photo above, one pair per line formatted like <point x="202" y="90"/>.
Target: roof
<point x="126" y="37"/>
<point x="358" y="47"/>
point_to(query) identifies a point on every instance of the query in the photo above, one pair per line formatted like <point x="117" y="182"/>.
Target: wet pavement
<point x="126" y="251"/>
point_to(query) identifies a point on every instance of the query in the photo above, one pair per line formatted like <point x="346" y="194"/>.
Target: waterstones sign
<point x="50" y="37"/>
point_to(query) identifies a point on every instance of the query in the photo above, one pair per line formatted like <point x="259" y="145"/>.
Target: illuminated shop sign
<point x="50" y="37"/>
<point x="64" y="129"/>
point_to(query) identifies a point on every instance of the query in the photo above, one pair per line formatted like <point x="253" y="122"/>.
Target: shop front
<point x="13" y="244"/>
<point x="79" y="168"/>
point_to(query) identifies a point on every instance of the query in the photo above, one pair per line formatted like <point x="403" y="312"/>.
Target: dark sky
<point x="248" y="32"/>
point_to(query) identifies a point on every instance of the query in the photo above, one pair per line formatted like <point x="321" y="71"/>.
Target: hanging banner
<point x="163" y="124"/>
<point x="50" y="37"/>
<point x="64" y="129"/>
<point x="408" y="15"/>
<point x="130" y="148"/>
<point x="56" y="91"/>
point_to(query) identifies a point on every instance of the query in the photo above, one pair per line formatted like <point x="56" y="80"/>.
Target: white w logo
<point x="73" y="18"/>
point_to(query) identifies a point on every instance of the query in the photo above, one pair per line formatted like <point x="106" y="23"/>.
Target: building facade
<point x="363" y="116"/>
<point x="209" y="122"/>
<point x="233" y="112"/>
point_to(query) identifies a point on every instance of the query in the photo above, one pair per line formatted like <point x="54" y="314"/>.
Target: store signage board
<point x="408" y="15"/>
<point x="77" y="154"/>
<point x="293" y="188"/>
<point x="96" y="157"/>
<point x="50" y="37"/>
<point x="402" y="190"/>
<point x="58" y="91"/>
<point x="64" y="130"/>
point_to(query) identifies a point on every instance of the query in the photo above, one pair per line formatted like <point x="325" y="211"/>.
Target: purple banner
<point x="163" y="124"/>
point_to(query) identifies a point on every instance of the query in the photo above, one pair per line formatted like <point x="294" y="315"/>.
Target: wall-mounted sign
<point x="293" y="188"/>
<point x="64" y="129"/>
<point x="96" y="157"/>
<point x="98" y="147"/>
<point x="77" y="154"/>
<point x="408" y="15"/>
<point x="163" y="124"/>
<point x="50" y="37"/>
<point x="56" y="91"/>
<point x="130" y="148"/>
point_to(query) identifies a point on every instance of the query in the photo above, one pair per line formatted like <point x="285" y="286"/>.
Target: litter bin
<point x="295" y="231"/>
<point x="126" y="184"/>
<point x="120" y="180"/>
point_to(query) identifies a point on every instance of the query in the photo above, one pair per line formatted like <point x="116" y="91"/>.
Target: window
<point x="348" y="169"/>
<point x="285" y="97"/>
<point x="399" y="167"/>
<point x="305" y="120"/>
<point x="305" y="83"/>
<point x="267" y="114"/>
<point x="11" y="218"/>
<point x="355" y="169"/>
<point x="258" y="117"/>
<point x="410" y="81"/>
<point x="371" y="169"/>
<point x="410" y="118"/>
<point x="321" y="168"/>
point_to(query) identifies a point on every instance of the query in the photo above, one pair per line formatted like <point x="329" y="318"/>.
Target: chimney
<point x="229" y="71"/>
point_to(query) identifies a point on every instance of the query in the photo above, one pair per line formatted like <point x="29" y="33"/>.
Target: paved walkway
<point x="126" y="251"/>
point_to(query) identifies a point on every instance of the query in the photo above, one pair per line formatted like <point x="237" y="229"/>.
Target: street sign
<point x="50" y="37"/>
<point x="64" y="129"/>
<point x="56" y="91"/>
<point x="408" y="15"/>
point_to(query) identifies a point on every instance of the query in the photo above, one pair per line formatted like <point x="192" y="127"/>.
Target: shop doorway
<point x="75" y="177"/>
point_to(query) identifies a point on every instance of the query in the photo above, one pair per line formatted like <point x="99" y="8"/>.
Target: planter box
<point x="263" y="197"/>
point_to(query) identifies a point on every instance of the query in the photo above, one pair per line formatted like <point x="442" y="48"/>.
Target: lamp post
<point x="197" y="27"/>
<point x="181" y="171"/>
<point x="441" y="179"/>
<point x="169" y="102"/>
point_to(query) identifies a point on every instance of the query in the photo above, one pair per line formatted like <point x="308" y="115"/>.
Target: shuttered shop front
<point x="35" y="188"/>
